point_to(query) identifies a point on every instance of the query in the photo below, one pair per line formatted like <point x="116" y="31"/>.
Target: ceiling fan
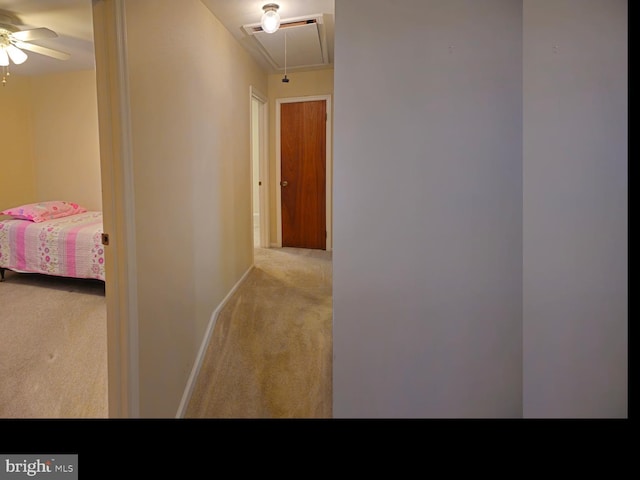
<point x="13" y="42"/>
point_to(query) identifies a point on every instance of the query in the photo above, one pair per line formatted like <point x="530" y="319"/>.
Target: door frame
<point x="263" y="162"/>
<point x="278" y="165"/>
<point x="116" y="166"/>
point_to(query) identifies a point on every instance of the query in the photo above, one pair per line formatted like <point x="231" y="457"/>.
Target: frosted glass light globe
<point x="270" y="19"/>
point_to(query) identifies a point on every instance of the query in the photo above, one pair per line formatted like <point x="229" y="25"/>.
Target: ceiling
<point x="302" y="48"/>
<point x="307" y="48"/>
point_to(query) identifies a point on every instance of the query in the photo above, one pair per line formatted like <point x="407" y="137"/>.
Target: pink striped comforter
<point x="67" y="247"/>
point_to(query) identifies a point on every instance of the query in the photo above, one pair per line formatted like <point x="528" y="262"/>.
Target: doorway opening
<point x="259" y="170"/>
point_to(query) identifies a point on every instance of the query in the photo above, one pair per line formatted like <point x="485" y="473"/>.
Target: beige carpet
<point x="53" y="349"/>
<point x="270" y="354"/>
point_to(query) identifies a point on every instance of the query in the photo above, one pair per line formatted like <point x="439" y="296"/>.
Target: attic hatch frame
<point x="255" y="30"/>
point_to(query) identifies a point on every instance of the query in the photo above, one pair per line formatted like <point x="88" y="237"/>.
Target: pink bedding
<point x="67" y="247"/>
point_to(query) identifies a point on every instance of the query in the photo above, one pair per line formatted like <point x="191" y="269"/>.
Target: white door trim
<point x="263" y="164"/>
<point x="116" y="164"/>
<point x="329" y="175"/>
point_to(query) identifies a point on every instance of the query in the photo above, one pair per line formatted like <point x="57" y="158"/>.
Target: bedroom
<point x="49" y="133"/>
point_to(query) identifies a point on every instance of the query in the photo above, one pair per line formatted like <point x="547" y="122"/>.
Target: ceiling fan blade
<point x="34" y="34"/>
<point x="43" y="50"/>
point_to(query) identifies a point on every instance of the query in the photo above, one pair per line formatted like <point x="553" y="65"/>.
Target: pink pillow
<point x="40" y="212"/>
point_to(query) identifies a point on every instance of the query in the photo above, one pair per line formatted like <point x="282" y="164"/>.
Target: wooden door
<point x="303" y="174"/>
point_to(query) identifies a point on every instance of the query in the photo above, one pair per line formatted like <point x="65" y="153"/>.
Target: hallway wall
<point x="192" y="183"/>
<point x="481" y="219"/>
<point x="428" y="209"/>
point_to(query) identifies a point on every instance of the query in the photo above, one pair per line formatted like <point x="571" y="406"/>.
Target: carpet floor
<point x="270" y="354"/>
<point x="53" y="351"/>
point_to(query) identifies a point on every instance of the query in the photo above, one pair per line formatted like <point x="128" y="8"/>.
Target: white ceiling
<point x="235" y="13"/>
<point x="72" y="21"/>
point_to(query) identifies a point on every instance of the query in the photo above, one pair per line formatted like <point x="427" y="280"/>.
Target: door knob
<point x="284" y="183"/>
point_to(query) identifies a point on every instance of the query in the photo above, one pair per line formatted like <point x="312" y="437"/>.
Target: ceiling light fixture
<point x="13" y="41"/>
<point x="9" y="51"/>
<point x="270" y="21"/>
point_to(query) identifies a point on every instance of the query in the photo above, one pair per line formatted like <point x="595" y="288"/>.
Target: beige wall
<point x="190" y="128"/>
<point x="49" y="137"/>
<point x="17" y="180"/>
<point x="427" y="264"/>
<point x="301" y="84"/>
<point x="481" y="209"/>
<point x="65" y="138"/>
<point x="575" y="216"/>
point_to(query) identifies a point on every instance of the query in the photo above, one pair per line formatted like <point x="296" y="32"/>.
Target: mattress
<point x="68" y="247"/>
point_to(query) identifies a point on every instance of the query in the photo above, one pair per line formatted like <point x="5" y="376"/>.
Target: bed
<point x="67" y="246"/>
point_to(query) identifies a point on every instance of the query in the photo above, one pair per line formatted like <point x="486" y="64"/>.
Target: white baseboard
<point x="186" y="396"/>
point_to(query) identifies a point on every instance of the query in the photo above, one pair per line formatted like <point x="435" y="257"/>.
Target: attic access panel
<point x="306" y="42"/>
